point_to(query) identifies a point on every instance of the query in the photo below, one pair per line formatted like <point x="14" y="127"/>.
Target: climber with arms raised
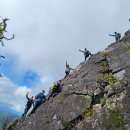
<point x="29" y="104"/>
<point x="117" y="36"/>
<point x="68" y="69"/>
<point x="86" y="53"/>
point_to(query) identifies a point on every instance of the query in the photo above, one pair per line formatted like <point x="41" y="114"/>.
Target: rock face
<point x="96" y="96"/>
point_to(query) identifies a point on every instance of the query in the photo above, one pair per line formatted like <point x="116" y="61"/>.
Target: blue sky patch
<point x="26" y="78"/>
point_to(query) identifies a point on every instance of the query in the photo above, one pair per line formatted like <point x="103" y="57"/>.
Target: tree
<point x="3" y="25"/>
<point x="5" y="123"/>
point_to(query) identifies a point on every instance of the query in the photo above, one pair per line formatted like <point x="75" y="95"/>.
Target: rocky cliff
<point x="96" y="96"/>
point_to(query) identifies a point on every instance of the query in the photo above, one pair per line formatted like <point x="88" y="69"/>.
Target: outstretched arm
<point x="27" y="96"/>
<point x="111" y="35"/>
<point x="66" y="64"/>
<point x="81" y="51"/>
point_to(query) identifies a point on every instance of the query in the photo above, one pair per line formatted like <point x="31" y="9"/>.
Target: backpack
<point x="87" y="53"/>
<point x="53" y="86"/>
<point x="119" y="35"/>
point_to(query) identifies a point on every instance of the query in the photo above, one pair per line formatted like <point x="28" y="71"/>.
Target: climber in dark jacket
<point x="86" y="53"/>
<point x="39" y="99"/>
<point x="68" y="69"/>
<point x="29" y="104"/>
<point x="117" y="36"/>
<point x="55" y="88"/>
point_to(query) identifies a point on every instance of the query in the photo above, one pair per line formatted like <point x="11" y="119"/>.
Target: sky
<point x="47" y="34"/>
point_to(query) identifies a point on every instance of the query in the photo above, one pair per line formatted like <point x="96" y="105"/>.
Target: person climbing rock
<point x="68" y="69"/>
<point x="39" y="99"/>
<point x="86" y="53"/>
<point x="55" y="89"/>
<point x="117" y="36"/>
<point x="29" y="104"/>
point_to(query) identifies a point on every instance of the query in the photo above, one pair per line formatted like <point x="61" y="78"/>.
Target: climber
<point x="39" y="99"/>
<point x="117" y="36"/>
<point x="55" y="89"/>
<point x="67" y="71"/>
<point x="29" y="104"/>
<point x="86" y="53"/>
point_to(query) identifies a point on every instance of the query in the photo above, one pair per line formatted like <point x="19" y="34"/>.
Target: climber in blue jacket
<point x="39" y="99"/>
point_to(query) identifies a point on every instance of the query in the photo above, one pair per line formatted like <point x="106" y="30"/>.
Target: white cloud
<point x="17" y="107"/>
<point x="8" y="95"/>
<point x="21" y="91"/>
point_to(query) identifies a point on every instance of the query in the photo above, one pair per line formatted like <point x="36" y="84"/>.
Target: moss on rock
<point x="84" y="101"/>
<point x="115" y="120"/>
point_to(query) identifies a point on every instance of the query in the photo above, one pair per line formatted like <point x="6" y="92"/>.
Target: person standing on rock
<point x="117" y="36"/>
<point x="39" y="99"/>
<point x="68" y="69"/>
<point x="55" y="89"/>
<point x="29" y="104"/>
<point x="86" y="53"/>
